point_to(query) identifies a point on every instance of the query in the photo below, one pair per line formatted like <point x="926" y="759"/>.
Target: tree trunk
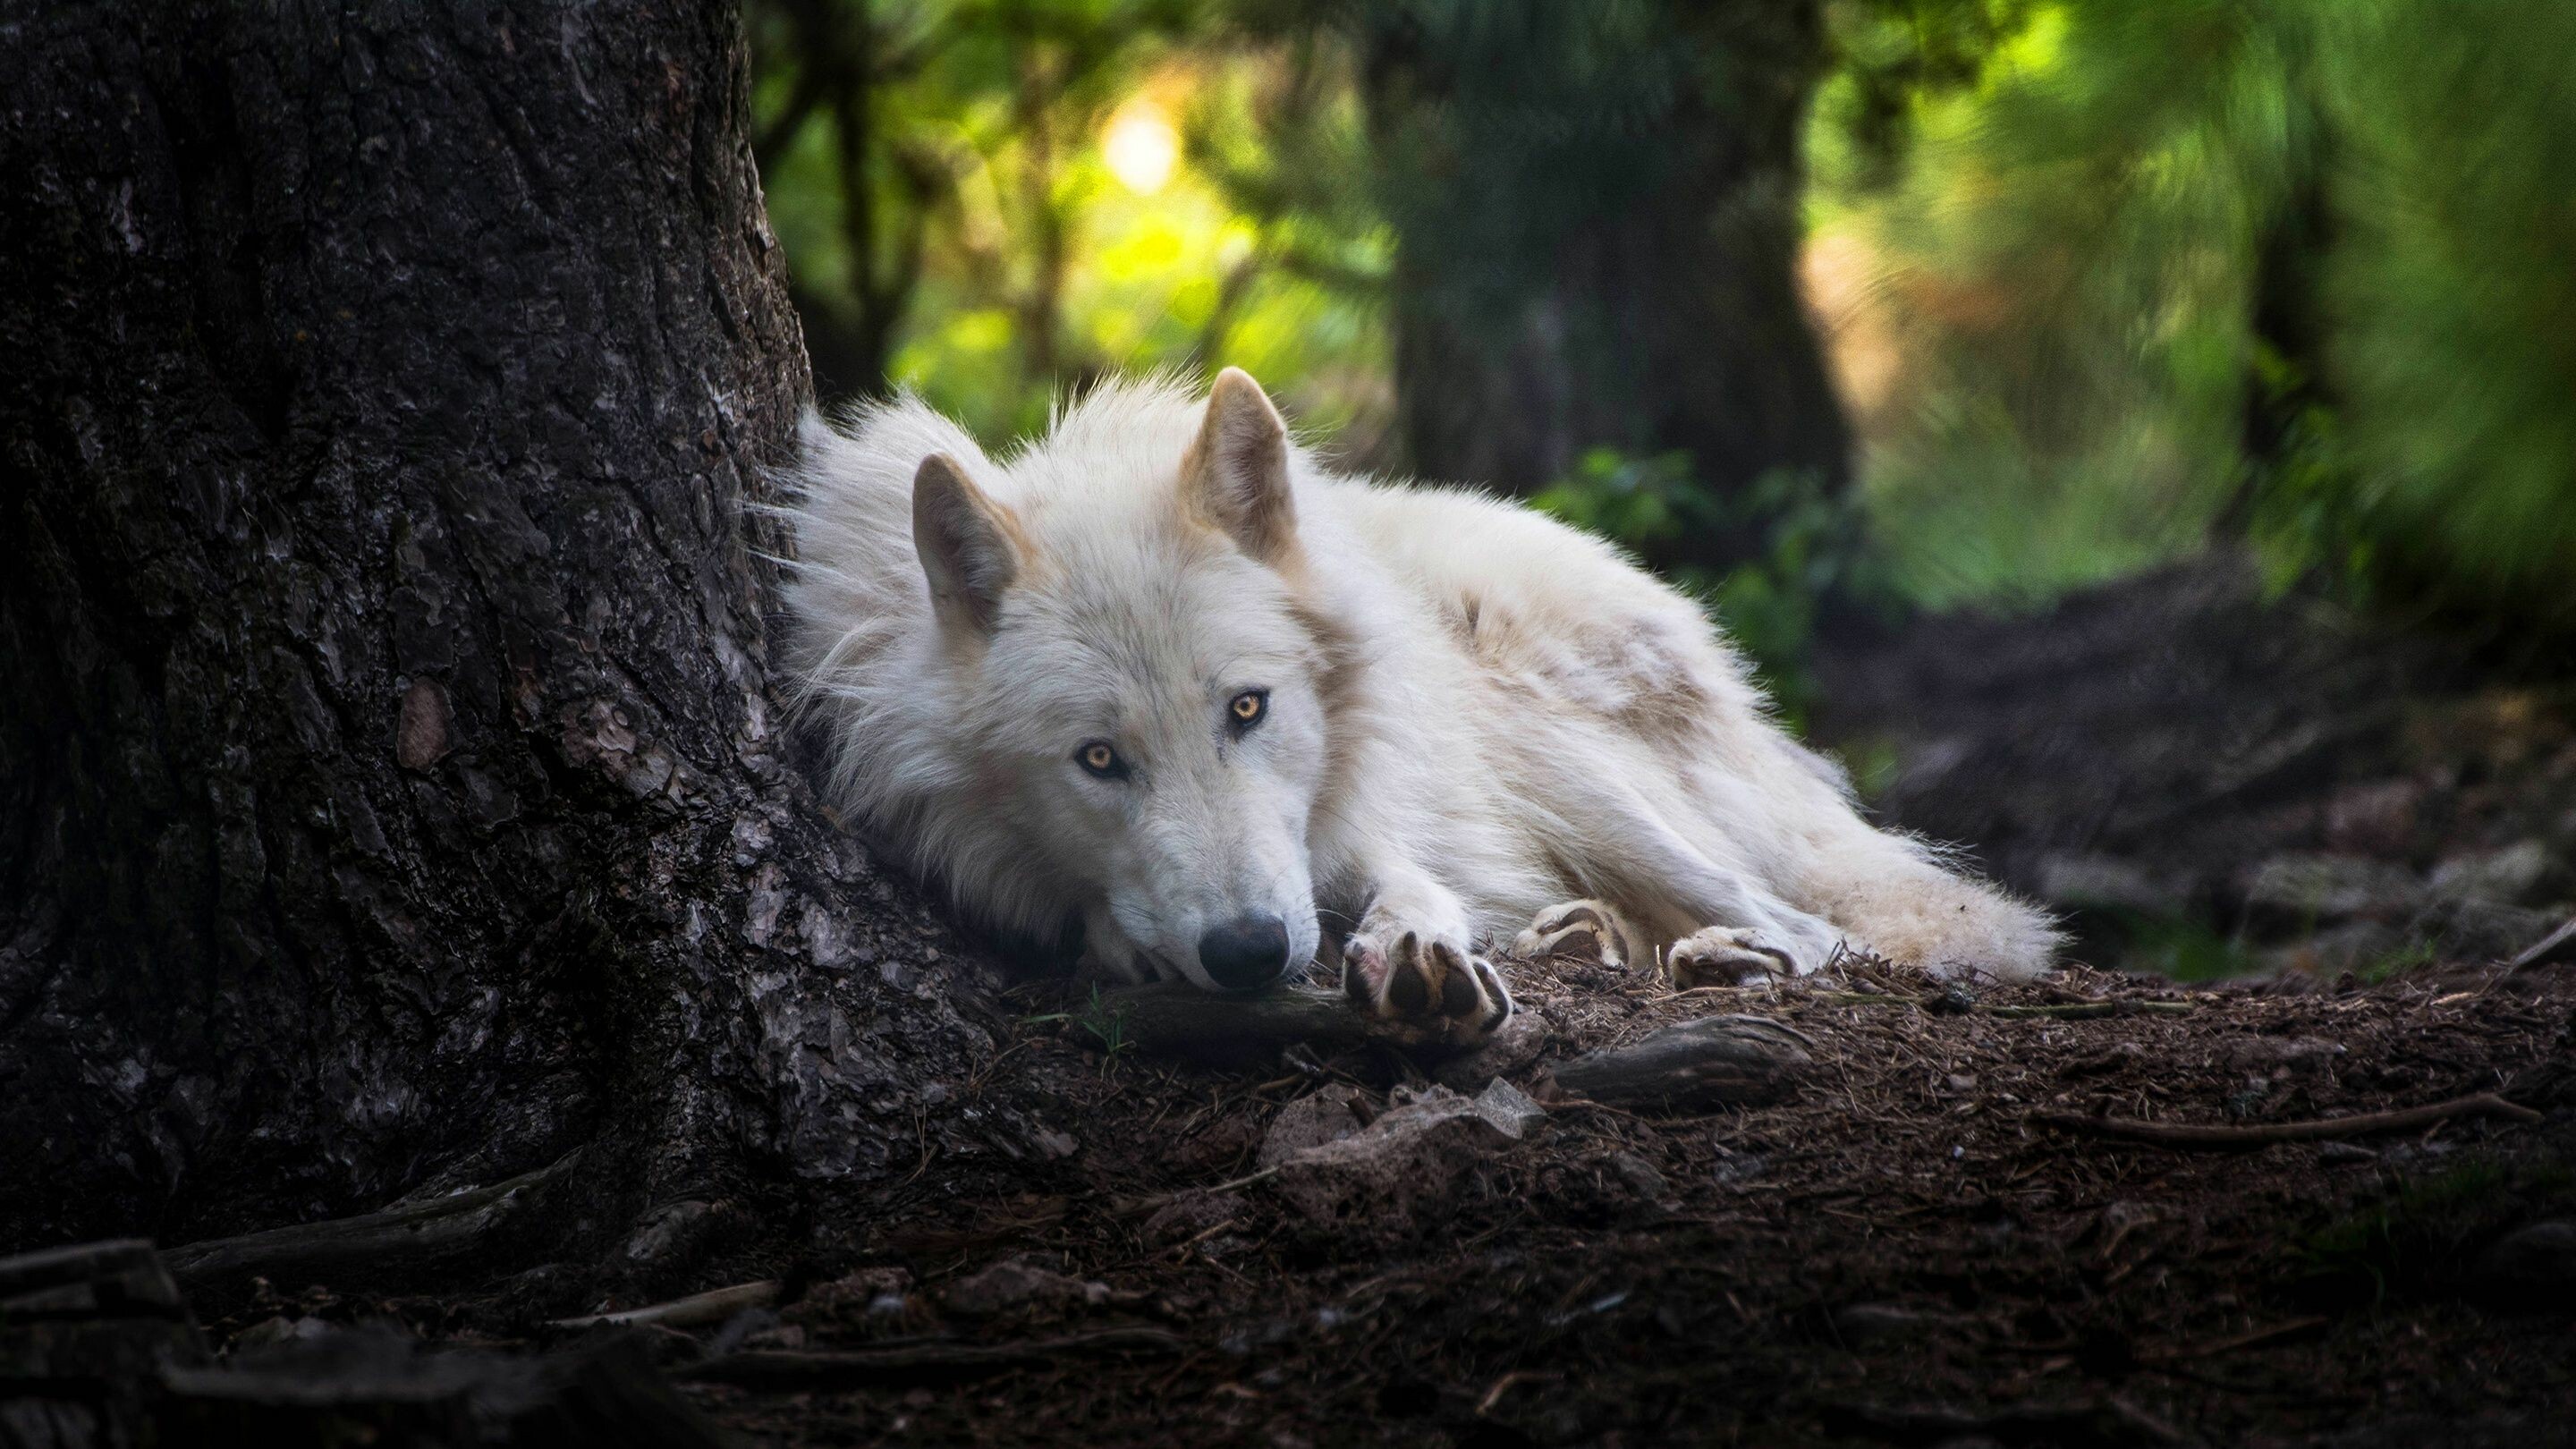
<point x="1596" y="212"/>
<point x="392" y="787"/>
<point x="2286" y="389"/>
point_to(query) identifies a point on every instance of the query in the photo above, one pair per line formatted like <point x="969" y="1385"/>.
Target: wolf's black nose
<point x="1245" y="953"/>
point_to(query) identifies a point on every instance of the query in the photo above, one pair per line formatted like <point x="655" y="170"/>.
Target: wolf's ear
<point x="1235" y="474"/>
<point x="965" y="544"/>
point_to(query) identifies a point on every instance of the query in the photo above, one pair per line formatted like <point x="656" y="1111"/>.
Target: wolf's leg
<point x="1660" y="865"/>
<point x="1411" y="959"/>
<point x="1582" y="928"/>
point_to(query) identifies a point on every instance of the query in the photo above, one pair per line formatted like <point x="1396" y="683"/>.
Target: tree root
<point x="2185" y="1134"/>
<point x="1731" y="1060"/>
<point x="399" y="1239"/>
<point x="1716" y="1061"/>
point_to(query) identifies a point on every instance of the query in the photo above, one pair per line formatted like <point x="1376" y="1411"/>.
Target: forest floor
<point x="2209" y="781"/>
<point x="1928" y="1242"/>
<point x="1908" y="1251"/>
<point x="1937" y="1235"/>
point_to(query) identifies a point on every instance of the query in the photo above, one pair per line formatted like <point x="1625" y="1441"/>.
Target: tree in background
<point x="2106" y="282"/>
<point x="1580" y="222"/>
<point x="1596" y="218"/>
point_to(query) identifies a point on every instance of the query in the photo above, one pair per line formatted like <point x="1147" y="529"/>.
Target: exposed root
<point x="2359" y="1124"/>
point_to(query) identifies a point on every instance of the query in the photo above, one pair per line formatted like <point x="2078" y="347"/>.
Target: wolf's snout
<point x="1245" y="953"/>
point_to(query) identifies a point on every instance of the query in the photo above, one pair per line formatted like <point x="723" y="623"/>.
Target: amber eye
<point x="1101" y="758"/>
<point x="1247" y="708"/>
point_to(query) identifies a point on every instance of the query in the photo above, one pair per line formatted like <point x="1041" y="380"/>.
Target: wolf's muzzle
<point x="1246" y="953"/>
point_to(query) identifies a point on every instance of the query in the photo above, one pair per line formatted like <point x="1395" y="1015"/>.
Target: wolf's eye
<point x="1101" y="759"/>
<point x="1246" y="709"/>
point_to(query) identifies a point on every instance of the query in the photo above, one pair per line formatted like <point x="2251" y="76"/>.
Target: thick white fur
<point x="1475" y="713"/>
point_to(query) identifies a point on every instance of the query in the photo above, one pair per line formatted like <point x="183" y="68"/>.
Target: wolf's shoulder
<point x="1452" y="534"/>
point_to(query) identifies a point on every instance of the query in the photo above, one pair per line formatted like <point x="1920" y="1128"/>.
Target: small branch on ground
<point x="2062" y="1011"/>
<point x="2092" y="1010"/>
<point x="2110" y="1420"/>
<point x="788" y="1371"/>
<point x="2550" y="950"/>
<point x="1505" y="1384"/>
<point x="2234" y="1342"/>
<point x="1173" y="1018"/>
<point x="2185" y="1134"/>
<point x="697" y="1310"/>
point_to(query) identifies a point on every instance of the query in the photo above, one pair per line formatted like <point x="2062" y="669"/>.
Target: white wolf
<point x="1164" y="675"/>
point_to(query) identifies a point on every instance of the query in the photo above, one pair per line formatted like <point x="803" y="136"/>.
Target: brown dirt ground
<point x="1899" y="1255"/>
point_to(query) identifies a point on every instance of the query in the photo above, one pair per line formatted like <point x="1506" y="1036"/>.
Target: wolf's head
<point x="1117" y="706"/>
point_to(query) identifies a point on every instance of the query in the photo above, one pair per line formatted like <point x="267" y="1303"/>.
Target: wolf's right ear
<point x="965" y="544"/>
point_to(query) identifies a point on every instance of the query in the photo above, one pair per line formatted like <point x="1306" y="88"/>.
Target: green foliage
<point x="2090" y="217"/>
<point x="2178" y="948"/>
<point x="2066" y="243"/>
<point x="2405" y="960"/>
<point x="987" y="231"/>
<point x="2456" y="297"/>
<point x="1103" y="1021"/>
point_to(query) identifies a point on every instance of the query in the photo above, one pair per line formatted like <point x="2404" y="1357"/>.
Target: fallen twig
<point x="2062" y="1011"/>
<point x="2092" y="1010"/>
<point x="2549" y="950"/>
<point x="713" y="1306"/>
<point x="1139" y="1206"/>
<point x="1505" y="1384"/>
<point x="1174" y="1018"/>
<point x="1260" y="1174"/>
<point x="790" y="1370"/>
<point x="2234" y="1342"/>
<point x="2325" y="1129"/>
<point x="2110" y="1420"/>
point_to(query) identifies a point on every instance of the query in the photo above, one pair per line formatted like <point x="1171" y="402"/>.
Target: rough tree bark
<point x="1597" y="219"/>
<point x="392" y="789"/>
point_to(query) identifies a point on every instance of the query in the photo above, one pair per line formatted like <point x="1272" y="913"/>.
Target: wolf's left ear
<point x="1235" y="474"/>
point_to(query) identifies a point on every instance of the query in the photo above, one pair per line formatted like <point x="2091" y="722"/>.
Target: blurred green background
<point x="1867" y="304"/>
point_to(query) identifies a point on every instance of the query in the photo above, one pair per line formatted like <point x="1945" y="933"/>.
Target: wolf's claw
<point x="1435" y="982"/>
<point x="1726" y="956"/>
<point x="1581" y="928"/>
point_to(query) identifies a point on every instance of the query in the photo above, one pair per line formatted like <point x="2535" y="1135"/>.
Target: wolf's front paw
<point x="1580" y="928"/>
<point x="1433" y="981"/>
<point x="1726" y="956"/>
